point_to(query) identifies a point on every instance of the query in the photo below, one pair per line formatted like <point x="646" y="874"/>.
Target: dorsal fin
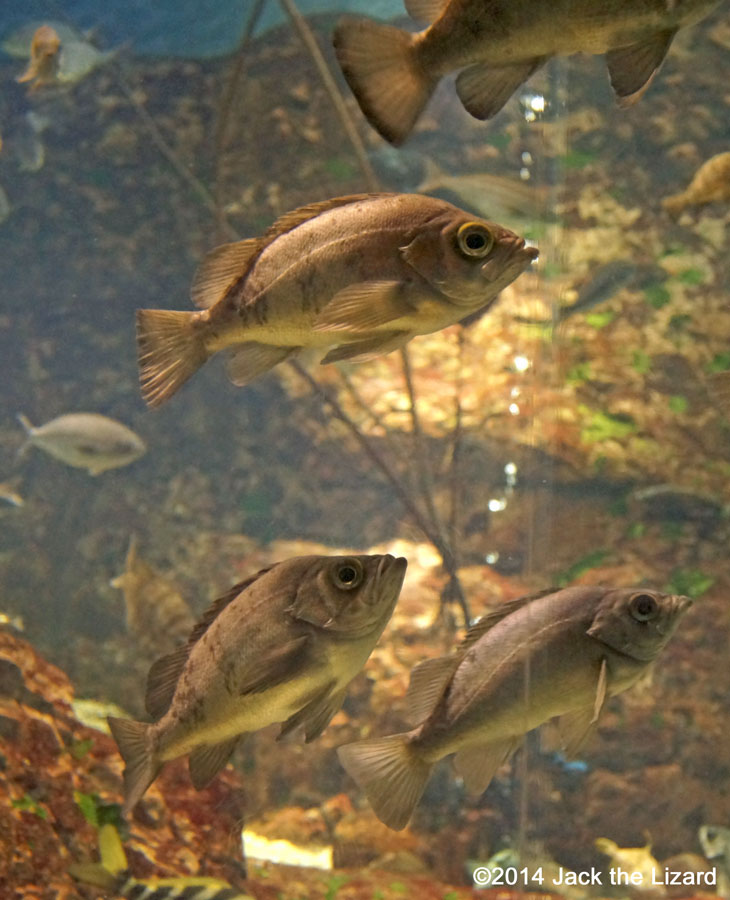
<point x="165" y="672"/>
<point x="492" y="618"/>
<point x="219" y="269"/>
<point x="426" y="10"/>
<point x="296" y="217"/>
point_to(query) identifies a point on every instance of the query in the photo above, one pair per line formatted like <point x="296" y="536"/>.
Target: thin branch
<point x="226" y="104"/>
<point x="330" y="85"/>
<point x="170" y="155"/>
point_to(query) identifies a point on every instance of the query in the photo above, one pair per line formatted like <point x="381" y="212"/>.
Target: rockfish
<point x="498" y="45"/>
<point x="355" y="276"/>
<point x="281" y="646"/>
<point x="561" y="653"/>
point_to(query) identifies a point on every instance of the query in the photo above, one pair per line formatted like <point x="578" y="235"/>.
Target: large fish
<point x="498" y="44"/>
<point x="557" y="654"/>
<point x="355" y="276"/>
<point x="279" y="647"/>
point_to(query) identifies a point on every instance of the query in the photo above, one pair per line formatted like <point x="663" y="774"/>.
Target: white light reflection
<point x="514" y="409"/>
<point x="522" y="363"/>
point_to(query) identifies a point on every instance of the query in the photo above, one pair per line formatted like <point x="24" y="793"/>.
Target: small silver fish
<point x="355" y="276"/>
<point x="579" y="646"/>
<point x="498" y="45"/>
<point x="281" y="646"/>
<point x="85" y="441"/>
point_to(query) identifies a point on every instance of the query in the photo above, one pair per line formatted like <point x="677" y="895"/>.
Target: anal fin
<point x="206" y="762"/>
<point x="632" y="68"/>
<point x="252" y="359"/>
<point x="484" y="89"/>
<point x="478" y="765"/>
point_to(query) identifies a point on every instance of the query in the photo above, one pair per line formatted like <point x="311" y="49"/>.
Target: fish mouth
<point x="390" y="573"/>
<point x="512" y="255"/>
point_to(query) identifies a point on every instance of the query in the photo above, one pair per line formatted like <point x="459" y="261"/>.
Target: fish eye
<point x="475" y="240"/>
<point x="643" y="607"/>
<point x="348" y="574"/>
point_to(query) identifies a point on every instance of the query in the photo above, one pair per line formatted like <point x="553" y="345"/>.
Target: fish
<point x="157" y="615"/>
<point x="280" y="647"/>
<point x="504" y="199"/>
<point x="498" y="45"/>
<point x="86" y="441"/>
<point x="112" y="876"/>
<point x="579" y="646"/>
<point x="632" y="860"/>
<point x="76" y="57"/>
<point x="356" y="276"/>
<point x="710" y="184"/>
<point x="43" y="66"/>
<point x="715" y="843"/>
<point x="605" y="281"/>
<point x="8" y="494"/>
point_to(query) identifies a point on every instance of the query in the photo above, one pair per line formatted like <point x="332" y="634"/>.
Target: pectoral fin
<point x="207" y="761"/>
<point x="364" y="307"/>
<point x="273" y="668"/>
<point x="574" y="728"/>
<point x="632" y="68"/>
<point x="361" y="351"/>
<point x="484" y="89"/>
<point x="253" y="359"/>
<point x="478" y="765"/>
<point x="315" y="716"/>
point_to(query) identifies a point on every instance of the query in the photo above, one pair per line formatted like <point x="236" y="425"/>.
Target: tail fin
<point x="170" y="350"/>
<point x="391" y="774"/>
<point x="380" y="66"/>
<point x="140" y="767"/>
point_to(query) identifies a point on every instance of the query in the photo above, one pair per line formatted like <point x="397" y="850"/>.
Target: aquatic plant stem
<point x="330" y="85"/>
<point x="454" y="589"/>
<point x="182" y="170"/>
<point x="226" y="104"/>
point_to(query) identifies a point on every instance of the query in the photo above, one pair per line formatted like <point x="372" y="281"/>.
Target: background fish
<point x="579" y="646"/>
<point x="279" y="647"/>
<point x="498" y="45"/>
<point x="357" y="276"/>
<point x="157" y="615"/>
<point x="86" y="441"/>
<point x="42" y="69"/>
<point x="710" y="184"/>
<point x="111" y="875"/>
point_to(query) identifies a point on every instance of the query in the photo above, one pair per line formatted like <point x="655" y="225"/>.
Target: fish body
<point x="354" y="276"/>
<point x="74" y="56"/>
<point x="280" y="647"/>
<point x="710" y="184"/>
<point x="715" y="843"/>
<point x="157" y="615"/>
<point x="558" y="654"/>
<point x="498" y="45"/>
<point x="8" y="494"/>
<point x="112" y="876"/>
<point x="86" y="441"/>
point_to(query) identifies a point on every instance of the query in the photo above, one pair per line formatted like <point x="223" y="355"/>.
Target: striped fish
<point x="112" y="875"/>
